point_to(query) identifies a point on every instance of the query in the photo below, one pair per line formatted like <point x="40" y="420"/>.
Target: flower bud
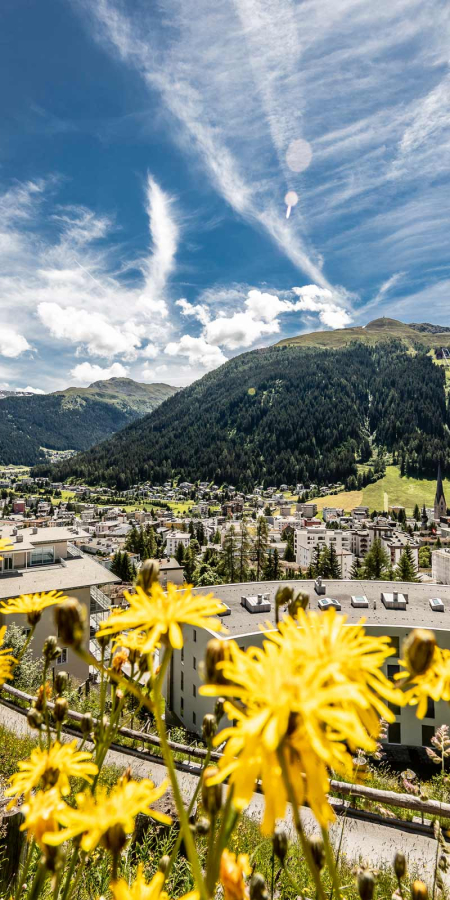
<point x="34" y="718"/>
<point x="317" y="851"/>
<point x="418" y="650"/>
<point x="163" y="864"/>
<point x="400" y="865"/>
<point x="280" y="843"/>
<point x="283" y="596"/>
<point x="103" y="640"/>
<point x="202" y="826"/>
<point x="148" y="575"/>
<point x="118" y="698"/>
<point x="209" y="727"/>
<point x="219" y="709"/>
<point x="60" y="709"/>
<point x="114" y="839"/>
<point x="366" y="884"/>
<point x="211" y="794"/>
<point x="258" y="889"/>
<point x="419" y="891"/>
<point x="70" y="618"/>
<point x="42" y="695"/>
<point x="61" y="682"/>
<point x="301" y="601"/>
<point x="216" y="652"/>
<point x="86" y="724"/>
<point x="50" y="649"/>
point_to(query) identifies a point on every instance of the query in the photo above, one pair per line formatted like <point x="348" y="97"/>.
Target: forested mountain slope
<point x="283" y="414"/>
<point x="416" y="335"/>
<point x="74" y="419"/>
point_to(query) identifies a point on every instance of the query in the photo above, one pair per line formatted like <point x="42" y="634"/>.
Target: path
<point x="374" y="843"/>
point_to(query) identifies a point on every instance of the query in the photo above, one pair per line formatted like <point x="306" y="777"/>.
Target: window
<point x="182" y="654"/>
<point x="395" y="641"/>
<point x="394" y="708"/>
<point x="182" y="706"/>
<point x="430" y="709"/>
<point x="7" y="563"/>
<point x="194" y="718"/>
<point x="394" y="733"/>
<point x="182" y="681"/>
<point x="194" y="690"/>
<point x="62" y="658"/>
<point x="427" y="734"/>
<point x="194" y="662"/>
<point x="195" y="635"/>
<point x="42" y="556"/>
<point x="392" y="670"/>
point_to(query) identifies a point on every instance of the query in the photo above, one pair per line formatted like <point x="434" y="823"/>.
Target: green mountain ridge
<point x="73" y="419"/>
<point x="413" y="335"/>
<point x="289" y="413"/>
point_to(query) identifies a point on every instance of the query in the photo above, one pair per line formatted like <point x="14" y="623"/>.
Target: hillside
<point x="415" y="336"/>
<point x="73" y="419"/>
<point x="284" y="414"/>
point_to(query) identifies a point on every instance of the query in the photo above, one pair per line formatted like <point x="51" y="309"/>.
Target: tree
<point x="357" y="569"/>
<point x="276" y="568"/>
<point x="315" y="566"/>
<point x="376" y="562"/>
<point x="330" y="563"/>
<point x="179" y="553"/>
<point x="244" y="552"/>
<point x="122" y="566"/>
<point x="289" y="554"/>
<point x="260" y="545"/>
<point x="425" y="557"/>
<point x="189" y="563"/>
<point x="416" y="512"/>
<point x="216" y="538"/>
<point x="406" y="569"/>
<point x="229" y="566"/>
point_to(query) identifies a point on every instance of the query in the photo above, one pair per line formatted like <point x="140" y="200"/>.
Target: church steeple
<point x="440" y="506"/>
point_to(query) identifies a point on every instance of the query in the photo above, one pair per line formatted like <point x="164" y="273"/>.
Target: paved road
<point x="367" y="842"/>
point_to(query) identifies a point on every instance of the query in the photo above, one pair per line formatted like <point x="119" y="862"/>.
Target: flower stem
<point x="331" y="862"/>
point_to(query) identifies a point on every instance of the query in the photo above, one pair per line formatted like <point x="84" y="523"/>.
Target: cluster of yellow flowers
<point x="301" y="705"/>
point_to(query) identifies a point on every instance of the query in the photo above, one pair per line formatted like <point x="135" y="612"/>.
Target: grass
<point x="393" y="490"/>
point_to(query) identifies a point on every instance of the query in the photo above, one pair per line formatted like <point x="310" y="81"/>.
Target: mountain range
<point x="307" y="409"/>
<point x="73" y="419"/>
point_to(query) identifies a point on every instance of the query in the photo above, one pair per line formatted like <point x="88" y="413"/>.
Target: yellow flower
<point x="7" y="660"/>
<point x="40" y="813"/>
<point x="141" y="890"/>
<point x="32" y="605"/>
<point x="310" y="694"/>
<point x="119" y="659"/>
<point x="5" y="545"/>
<point x="434" y="683"/>
<point x="53" y="767"/>
<point x="160" y="614"/>
<point x="108" y="818"/>
<point x="232" y="873"/>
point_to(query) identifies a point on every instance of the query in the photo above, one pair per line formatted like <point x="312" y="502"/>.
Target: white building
<point x="47" y="559"/>
<point x="174" y="539"/>
<point x="440" y="565"/>
<point x="391" y="609"/>
<point x="307" y="539"/>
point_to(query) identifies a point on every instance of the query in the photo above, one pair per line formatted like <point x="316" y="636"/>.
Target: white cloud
<point x="91" y="330"/>
<point x="86" y="373"/>
<point x="12" y="344"/>
<point x="151" y="351"/>
<point x="31" y="390"/>
<point x="197" y="350"/>
<point x="196" y="310"/>
<point x="319" y="300"/>
<point x="164" y="233"/>
<point x="239" y="330"/>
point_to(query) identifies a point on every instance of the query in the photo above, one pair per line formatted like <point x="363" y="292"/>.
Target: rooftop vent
<point x="14" y="531"/>
<point x="394" y="600"/>
<point x="34" y="531"/>
<point x="19" y="539"/>
<point x="360" y="602"/>
<point x="319" y="587"/>
<point x="260" y="603"/>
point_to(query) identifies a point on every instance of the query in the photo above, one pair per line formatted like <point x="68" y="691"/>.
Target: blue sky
<point x="146" y="153"/>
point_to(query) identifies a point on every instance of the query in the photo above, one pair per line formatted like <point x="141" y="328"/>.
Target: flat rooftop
<point x="416" y="615"/>
<point x="63" y="576"/>
<point x="52" y="535"/>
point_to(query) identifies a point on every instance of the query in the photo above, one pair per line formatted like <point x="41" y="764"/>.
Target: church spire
<point x="440" y="505"/>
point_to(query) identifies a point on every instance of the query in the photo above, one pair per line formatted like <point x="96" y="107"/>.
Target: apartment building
<point x="47" y="559"/>
<point x="391" y="609"/>
<point x="440" y="565"/>
<point x="307" y="539"/>
<point x="174" y="539"/>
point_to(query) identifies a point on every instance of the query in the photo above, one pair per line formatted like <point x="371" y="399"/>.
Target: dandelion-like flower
<point x="7" y="660"/>
<point x="161" y="615"/>
<point x="141" y="890"/>
<point x="233" y="871"/>
<point x="52" y="768"/>
<point x="309" y="711"/>
<point x="107" y="818"/>
<point x="40" y="813"/>
<point x="32" y="605"/>
<point x="5" y="545"/>
<point x="433" y="683"/>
